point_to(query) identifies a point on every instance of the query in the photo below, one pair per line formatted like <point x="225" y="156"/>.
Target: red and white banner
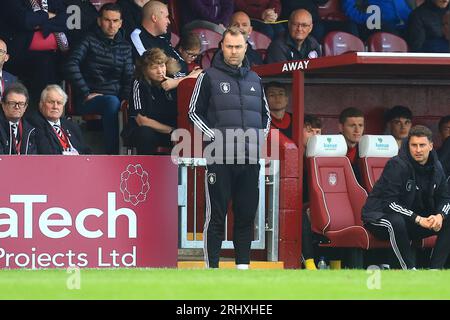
<point x="88" y="211"/>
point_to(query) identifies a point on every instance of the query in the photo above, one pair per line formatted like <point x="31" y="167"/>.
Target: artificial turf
<point x="224" y="284"/>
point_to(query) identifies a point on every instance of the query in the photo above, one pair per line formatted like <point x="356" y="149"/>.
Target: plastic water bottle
<point x="322" y="265"/>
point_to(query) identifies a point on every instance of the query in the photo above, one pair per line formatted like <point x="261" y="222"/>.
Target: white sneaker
<point x="242" y="266"/>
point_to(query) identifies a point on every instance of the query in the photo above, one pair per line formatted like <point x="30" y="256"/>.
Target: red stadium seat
<point x="259" y="40"/>
<point x="174" y="14"/>
<point x="99" y="3"/>
<point x="262" y="53"/>
<point x="338" y="42"/>
<point x="336" y="198"/>
<point x="174" y="39"/>
<point x="206" y="58"/>
<point x="331" y="10"/>
<point x="386" y="42"/>
<point x="374" y="152"/>
<point x="208" y="38"/>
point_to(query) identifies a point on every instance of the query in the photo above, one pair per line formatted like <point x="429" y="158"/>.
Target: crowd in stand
<point x="122" y="56"/>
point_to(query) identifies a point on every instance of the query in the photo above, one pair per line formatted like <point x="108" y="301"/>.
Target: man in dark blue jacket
<point x="5" y="77"/>
<point x="444" y="150"/>
<point x="228" y="105"/>
<point x="411" y="201"/>
<point x="100" y="70"/>
<point x="17" y="135"/>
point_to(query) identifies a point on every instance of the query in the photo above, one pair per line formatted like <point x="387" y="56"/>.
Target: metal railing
<point x="263" y="224"/>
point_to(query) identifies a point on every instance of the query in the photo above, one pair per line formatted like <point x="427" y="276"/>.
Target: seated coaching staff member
<point x="17" y="136"/>
<point x="56" y="134"/>
<point x="411" y="201"/>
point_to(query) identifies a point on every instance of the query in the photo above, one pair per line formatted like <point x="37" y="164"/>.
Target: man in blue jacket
<point x="6" y="78"/>
<point x="228" y="105"/>
<point x="394" y="15"/>
<point x="411" y="201"/>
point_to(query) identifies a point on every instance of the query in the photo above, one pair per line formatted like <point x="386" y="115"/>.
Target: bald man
<point x="297" y="44"/>
<point x="241" y="20"/>
<point x="155" y="24"/>
<point x="5" y="77"/>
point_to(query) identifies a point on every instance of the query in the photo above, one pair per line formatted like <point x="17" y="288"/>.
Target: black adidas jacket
<point x="396" y="190"/>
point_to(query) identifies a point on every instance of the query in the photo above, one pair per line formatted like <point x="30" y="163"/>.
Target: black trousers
<point x="147" y="140"/>
<point x="240" y="184"/>
<point x="400" y="231"/>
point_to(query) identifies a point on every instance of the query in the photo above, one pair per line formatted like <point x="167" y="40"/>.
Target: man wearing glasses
<point x="17" y="136"/>
<point x="297" y="44"/>
<point x="5" y="77"/>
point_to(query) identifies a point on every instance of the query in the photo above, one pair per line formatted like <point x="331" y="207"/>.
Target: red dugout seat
<point x="338" y="42"/>
<point x="336" y="198"/>
<point x="386" y="42"/>
<point x="374" y="152"/>
<point x="174" y="39"/>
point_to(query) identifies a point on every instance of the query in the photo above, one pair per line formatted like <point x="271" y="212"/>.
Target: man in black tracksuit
<point x="411" y="201"/>
<point x="228" y="97"/>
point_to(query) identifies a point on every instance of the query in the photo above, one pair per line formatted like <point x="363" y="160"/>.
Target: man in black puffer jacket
<point x="100" y="70"/>
<point x="228" y="105"/>
<point x="411" y="201"/>
<point x="425" y="32"/>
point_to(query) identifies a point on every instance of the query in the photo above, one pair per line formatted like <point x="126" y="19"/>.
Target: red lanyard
<point x="18" y="142"/>
<point x="64" y="140"/>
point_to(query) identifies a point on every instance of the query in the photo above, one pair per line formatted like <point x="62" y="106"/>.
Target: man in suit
<point x="6" y="78"/>
<point x="17" y="136"/>
<point x="56" y="134"/>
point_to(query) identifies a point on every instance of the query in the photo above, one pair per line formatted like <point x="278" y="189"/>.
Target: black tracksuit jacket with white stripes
<point x="399" y="191"/>
<point x="227" y="98"/>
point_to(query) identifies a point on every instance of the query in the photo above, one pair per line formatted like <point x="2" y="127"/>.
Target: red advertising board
<point x="88" y="211"/>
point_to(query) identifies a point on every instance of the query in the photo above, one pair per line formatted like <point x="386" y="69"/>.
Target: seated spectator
<point x="17" y="136"/>
<point x="242" y="21"/>
<point x="351" y="126"/>
<point x="425" y="27"/>
<point x="411" y="201"/>
<point x="88" y="19"/>
<point x="394" y="15"/>
<point x="189" y="48"/>
<point x="297" y="44"/>
<point x="35" y="34"/>
<point x="56" y="134"/>
<point x="100" y="70"/>
<point x="215" y="11"/>
<point x="151" y="33"/>
<point x="263" y="14"/>
<point x="152" y="110"/>
<point x="278" y="101"/>
<point x="131" y="15"/>
<point x="398" y="121"/>
<point x="444" y="150"/>
<point x="6" y="78"/>
<point x="321" y="27"/>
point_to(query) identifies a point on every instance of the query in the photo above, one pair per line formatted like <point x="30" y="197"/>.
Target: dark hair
<point x="234" y="31"/>
<point x="350" y="113"/>
<point x="15" y="87"/>
<point x="274" y="84"/>
<point x="189" y="41"/>
<point x="110" y="6"/>
<point x="420" y="131"/>
<point x="312" y="121"/>
<point x="443" y="120"/>
<point x="398" y="112"/>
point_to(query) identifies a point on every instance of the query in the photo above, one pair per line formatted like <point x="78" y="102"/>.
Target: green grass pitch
<point x="223" y="284"/>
